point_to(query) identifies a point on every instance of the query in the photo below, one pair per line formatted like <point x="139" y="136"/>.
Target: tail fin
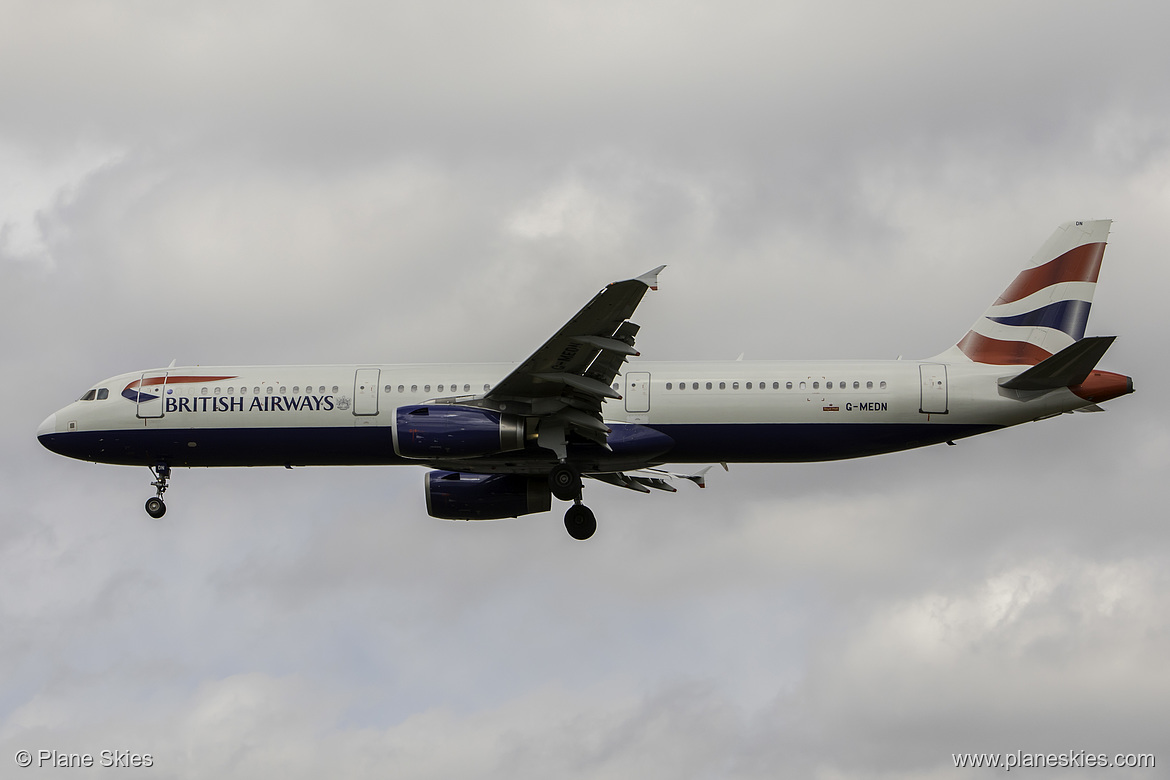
<point x="1046" y="308"/>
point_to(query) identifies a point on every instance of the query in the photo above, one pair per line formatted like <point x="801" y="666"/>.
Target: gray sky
<point x="368" y="181"/>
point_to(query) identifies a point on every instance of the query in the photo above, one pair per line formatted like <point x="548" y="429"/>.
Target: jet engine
<point x="438" y="431"/>
<point x="452" y="495"/>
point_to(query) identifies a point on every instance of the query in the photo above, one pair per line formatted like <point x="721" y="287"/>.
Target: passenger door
<point x="152" y="388"/>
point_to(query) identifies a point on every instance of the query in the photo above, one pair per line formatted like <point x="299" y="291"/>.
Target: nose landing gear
<point x="155" y="506"/>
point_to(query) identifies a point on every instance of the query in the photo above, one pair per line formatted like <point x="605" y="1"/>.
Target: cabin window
<point x="388" y="388"/>
<point x="668" y="386"/>
<point x="486" y="388"/>
<point x="231" y="391"/>
<point x="828" y="385"/>
<point x="401" y="388"/>
<point x="296" y="389"/>
<point x="748" y="386"/>
<point x="203" y="391"/>
<point x="816" y="385"/>
<point x="335" y="388"/>
<point x="414" y="388"/>
<point x="256" y="390"/>
<point x="426" y="388"/>
<point x="869" y="385"/>
<point x="787" y="385"/>
<point x="803" y="385"/>
<point x="269" y="389"/>
<point x="735" y="385"/>
<point x="882" y="385"/>
<point x="440" y="388"/>
<point x="283" y="390"/>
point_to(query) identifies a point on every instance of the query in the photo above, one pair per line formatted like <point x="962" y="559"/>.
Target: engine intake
<point x="452" y="495"/>
<point x="438" y="431"/>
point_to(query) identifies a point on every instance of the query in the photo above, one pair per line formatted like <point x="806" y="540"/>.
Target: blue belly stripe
<point x="362" y="446"/>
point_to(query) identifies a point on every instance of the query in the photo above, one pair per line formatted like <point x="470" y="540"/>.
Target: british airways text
<point x="268" y="403"/>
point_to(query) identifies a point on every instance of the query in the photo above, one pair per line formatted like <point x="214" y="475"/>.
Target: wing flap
<point x="643" y="480"/>
<point x="583" y="383"/>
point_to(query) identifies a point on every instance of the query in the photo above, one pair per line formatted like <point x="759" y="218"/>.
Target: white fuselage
<point x="737" y="411"/>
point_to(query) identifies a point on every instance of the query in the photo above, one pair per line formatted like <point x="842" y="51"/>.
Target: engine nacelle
<point x="452" y="495"/>
<point x="439" y="432"/>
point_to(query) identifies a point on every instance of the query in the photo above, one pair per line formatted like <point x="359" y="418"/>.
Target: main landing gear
<point x="580" y="522"/>
<point x="565" y="483"/>
<point x="155" y="506"/>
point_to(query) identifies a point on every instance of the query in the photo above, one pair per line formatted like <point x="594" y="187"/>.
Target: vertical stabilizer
<point x="1046" y="308"/>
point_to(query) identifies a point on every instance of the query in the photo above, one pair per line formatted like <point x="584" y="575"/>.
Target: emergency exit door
<point x="934" y="388"/>
<point x="637" y="392"/>
<point x="365" y="392"/>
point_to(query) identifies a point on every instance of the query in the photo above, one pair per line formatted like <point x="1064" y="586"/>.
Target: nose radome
<point x="48" y="426"/>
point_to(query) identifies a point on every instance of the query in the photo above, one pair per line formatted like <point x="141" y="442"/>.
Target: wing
<point x="567" y="379"/>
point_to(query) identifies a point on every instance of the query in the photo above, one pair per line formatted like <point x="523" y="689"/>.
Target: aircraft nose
<point x="48" y="426"/>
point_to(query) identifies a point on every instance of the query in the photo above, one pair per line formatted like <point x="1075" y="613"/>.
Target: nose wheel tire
<point x="155" y="506"/>
<point x="580" y="522"/>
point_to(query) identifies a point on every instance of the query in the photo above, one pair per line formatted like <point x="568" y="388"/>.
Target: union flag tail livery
<point x="1046" y="308"/>
<point x="504" y="439"/>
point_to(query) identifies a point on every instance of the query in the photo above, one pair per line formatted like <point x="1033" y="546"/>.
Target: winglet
<point x="699" y="477"/>
<point x="650" y="278"/>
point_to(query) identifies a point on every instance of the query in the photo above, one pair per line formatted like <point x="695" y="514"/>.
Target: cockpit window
<point x="89" y="396"/>
<point x="103" y="394"/>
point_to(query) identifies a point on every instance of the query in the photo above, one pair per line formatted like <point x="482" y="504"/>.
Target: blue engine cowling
<point x="452" y="495"/>
<point x="439" y="431"/>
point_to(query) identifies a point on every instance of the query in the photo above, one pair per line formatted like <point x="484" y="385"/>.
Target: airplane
<point x="503" y="439"/>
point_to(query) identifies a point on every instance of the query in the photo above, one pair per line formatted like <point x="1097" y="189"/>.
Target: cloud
<point x="311" y="184"/>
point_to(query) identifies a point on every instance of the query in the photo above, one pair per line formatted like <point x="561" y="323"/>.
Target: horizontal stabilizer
<point x="1066" y="368"/>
